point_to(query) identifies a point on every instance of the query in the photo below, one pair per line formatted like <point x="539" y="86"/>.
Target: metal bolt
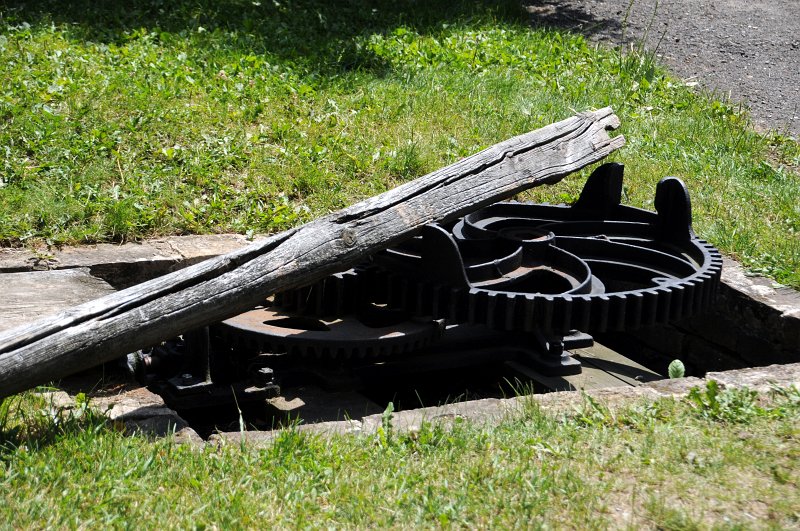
<point x="265" y="374"/>
<point x="187" y="376"/>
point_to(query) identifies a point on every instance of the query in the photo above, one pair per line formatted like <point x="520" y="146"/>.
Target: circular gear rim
<point x="599" y="203"/>
<point x="269" y="330"/>
<point x="557" y="313"/>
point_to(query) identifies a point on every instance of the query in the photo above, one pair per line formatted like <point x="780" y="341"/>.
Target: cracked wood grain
<point x="146" y="314"/>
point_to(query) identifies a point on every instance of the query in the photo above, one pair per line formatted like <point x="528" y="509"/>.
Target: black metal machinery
<point x="532" y="280"/>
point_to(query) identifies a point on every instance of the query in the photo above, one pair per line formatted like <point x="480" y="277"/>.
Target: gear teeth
<point x="529" y="314"/>
<point x="459" y="305"/>
<point x="676" y="303"/>
<point x="545" y="312"/>
<point x="562" y="315"/>
<point x="494" y="313"/>
<point x="665" y="305"/>
<point x="634" y="306"/>
<point x="687" y="303"/>
<point x="599" y="311"/>
<point x="696" y="296"/>
<point x="667" y="301"/>
<point x="475" y="316"/>
<point x="648" y="315"/>
<point x="618" y="308"/>
<point x="581" y="313"/>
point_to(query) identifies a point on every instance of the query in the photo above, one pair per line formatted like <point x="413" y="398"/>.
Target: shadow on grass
<point x="564" y="15"/>
<point x="321" y="35"/>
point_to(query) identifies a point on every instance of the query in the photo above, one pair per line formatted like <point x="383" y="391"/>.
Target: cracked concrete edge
<point x="492" y="410"/>
<point x="765" y="309"/>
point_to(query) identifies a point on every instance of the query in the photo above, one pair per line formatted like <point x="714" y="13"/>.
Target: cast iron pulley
<point x="594" y="266"/>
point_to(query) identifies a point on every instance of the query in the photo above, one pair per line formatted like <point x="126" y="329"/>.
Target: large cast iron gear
<point x="595" y="266"/>
<point x="554" y="273"/>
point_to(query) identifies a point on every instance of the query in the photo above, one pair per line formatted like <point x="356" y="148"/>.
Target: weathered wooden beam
<point x="146" y="314"/>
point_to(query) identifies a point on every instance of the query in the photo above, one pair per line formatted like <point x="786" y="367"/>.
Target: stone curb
<point x="491" y="410"/>
<point x="136" y="410"/>
<point x="140" y="411"/>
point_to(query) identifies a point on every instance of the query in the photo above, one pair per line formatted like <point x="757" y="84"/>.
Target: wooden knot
<point x="349" y="237"/>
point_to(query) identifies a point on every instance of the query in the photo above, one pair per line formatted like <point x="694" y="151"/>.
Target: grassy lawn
<point x="726" y="460"/>
<point x="123" y="121"/>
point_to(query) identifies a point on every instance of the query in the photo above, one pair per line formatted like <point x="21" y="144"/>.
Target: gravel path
<point x="748" y="50"/>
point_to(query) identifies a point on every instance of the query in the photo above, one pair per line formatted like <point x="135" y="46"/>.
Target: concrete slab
<point x="32" y="295"/>
<point x="761" y="379"/>
<point x="135" y="409"/>
<point x="127" y="264"/>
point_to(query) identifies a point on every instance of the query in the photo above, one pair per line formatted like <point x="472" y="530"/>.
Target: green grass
<point x="121" y="121"/>
<point x="726" y="459"/>
<point x="124" y="120"/>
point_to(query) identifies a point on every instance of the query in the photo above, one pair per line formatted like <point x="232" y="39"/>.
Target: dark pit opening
<point x="320" y="404"/>
<point x="739" y="330"/>
<point x="468" y="363"/>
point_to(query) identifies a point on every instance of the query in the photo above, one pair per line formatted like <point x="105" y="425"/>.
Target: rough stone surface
<point x="136" y="403"/>
<point x="761" y="379"/>
<point x="136" y="409"/>
<point x="481" y="411"/>
<point x="142" y="411"/>
<point x="755" y="319"/>
<point x="759" y="289"/>
<point x="675" y="388"/>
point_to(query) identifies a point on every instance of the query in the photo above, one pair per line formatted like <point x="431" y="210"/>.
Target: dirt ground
<point x="745" y="50"/>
